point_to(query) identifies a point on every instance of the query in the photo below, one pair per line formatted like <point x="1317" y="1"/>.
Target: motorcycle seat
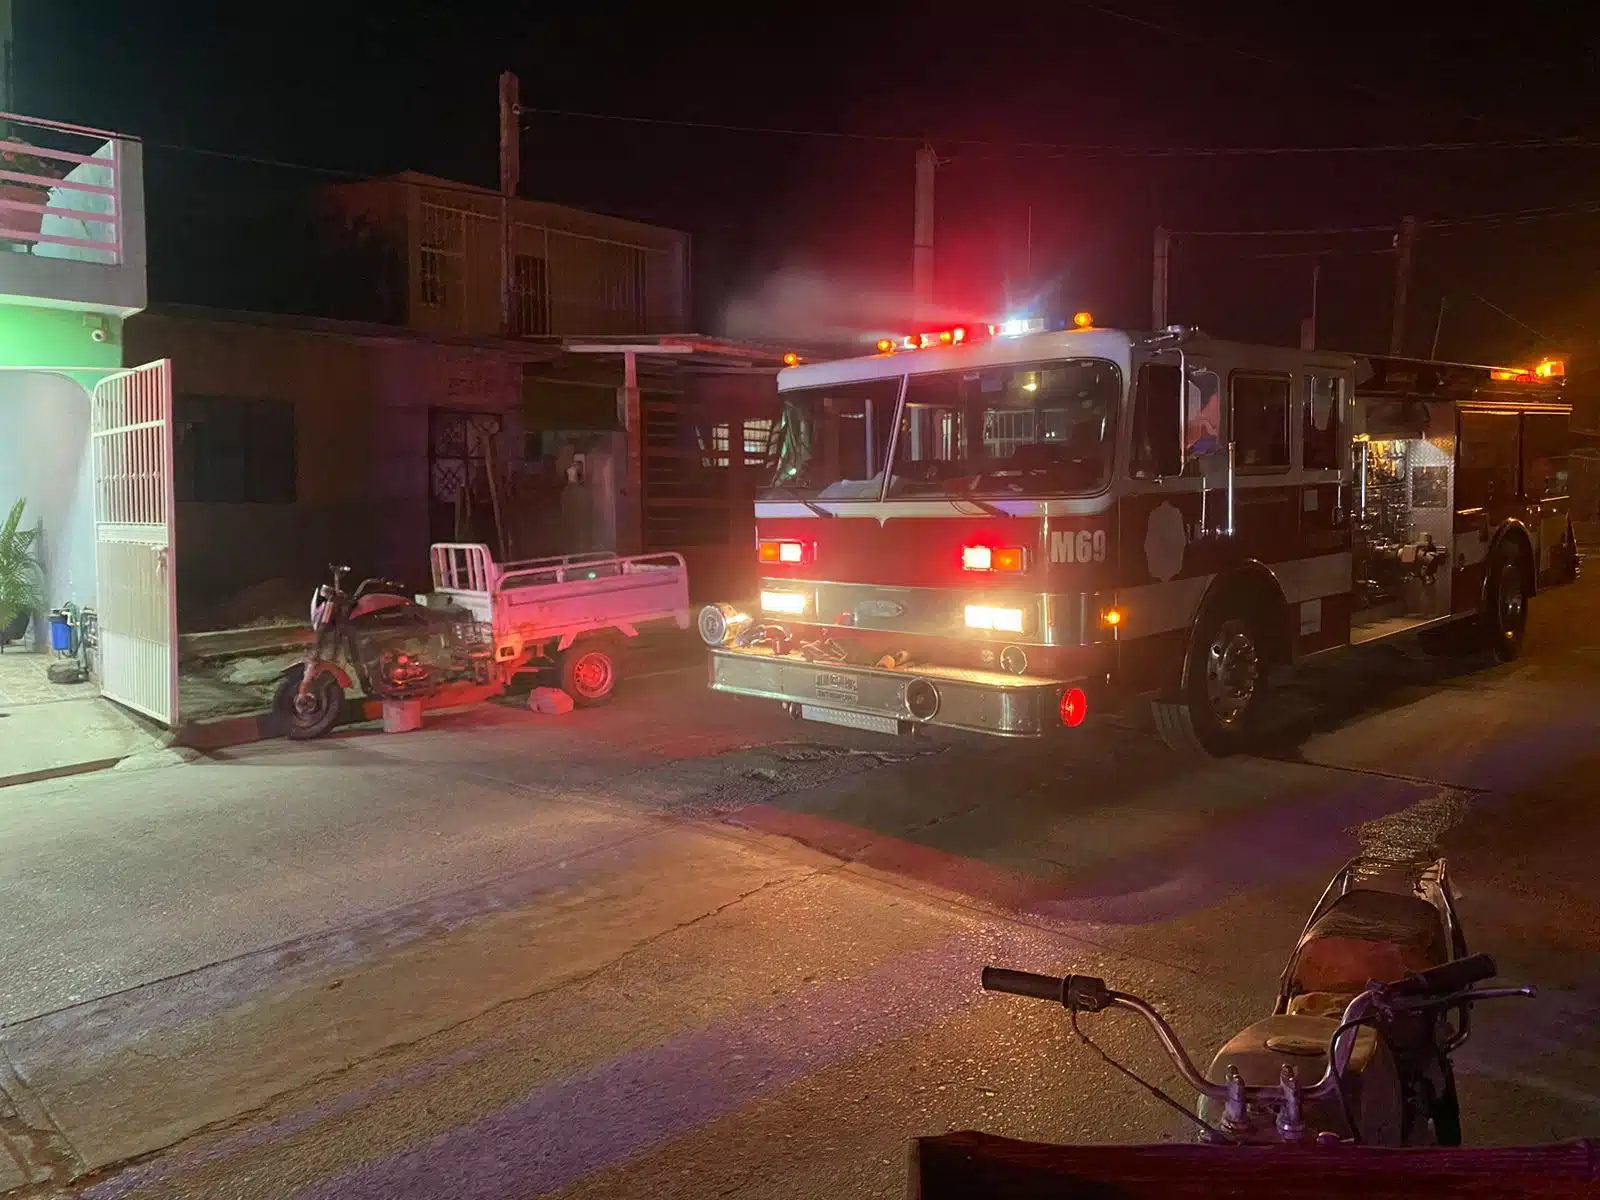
<point x="1365" y="935"/>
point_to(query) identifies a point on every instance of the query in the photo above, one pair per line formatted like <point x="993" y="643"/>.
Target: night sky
<point x="796" y="236"/>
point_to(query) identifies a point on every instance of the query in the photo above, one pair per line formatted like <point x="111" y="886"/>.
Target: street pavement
<point x="685" y="947"/>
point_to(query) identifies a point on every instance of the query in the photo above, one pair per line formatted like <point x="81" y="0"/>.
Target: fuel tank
<point x="1300" y="1041"/>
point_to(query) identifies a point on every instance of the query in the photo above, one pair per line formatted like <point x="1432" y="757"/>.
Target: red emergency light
<point x="1074" y="707"/>
<point x="954" y="336"/>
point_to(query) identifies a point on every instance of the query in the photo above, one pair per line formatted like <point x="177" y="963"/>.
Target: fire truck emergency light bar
<point x="957" y="334"/>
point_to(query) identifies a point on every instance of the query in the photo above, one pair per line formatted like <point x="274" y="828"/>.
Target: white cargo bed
<point x="538" y="607"/>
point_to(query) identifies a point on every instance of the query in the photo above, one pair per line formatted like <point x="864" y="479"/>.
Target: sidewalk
<point x="70" y="737"/>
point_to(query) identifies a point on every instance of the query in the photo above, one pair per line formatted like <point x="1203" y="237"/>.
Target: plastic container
<point x="402" y="716"/>
<point x="60" y="632"/>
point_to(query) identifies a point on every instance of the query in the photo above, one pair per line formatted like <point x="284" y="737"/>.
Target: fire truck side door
<point x="1322" y="429"/>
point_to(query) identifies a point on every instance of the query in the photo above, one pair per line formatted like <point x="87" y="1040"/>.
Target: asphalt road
<point x="684" y="947"/>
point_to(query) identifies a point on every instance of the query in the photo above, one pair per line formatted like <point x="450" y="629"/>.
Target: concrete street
<point x="685" y="947"/>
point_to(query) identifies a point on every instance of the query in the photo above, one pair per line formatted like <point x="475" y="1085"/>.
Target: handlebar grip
<point x="1083" y="992"/>
<point x="1448" y="977"/>
<point x="1024" y="983"/>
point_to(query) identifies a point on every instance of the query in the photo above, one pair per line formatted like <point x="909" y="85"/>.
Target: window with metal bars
<point x="530" y="296"/>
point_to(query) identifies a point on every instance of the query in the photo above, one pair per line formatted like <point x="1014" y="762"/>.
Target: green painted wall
<point x="58" y="337"/>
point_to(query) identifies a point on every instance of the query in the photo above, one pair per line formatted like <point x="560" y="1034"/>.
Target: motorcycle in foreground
<point x="1374" y="1000"/>
<point x="380" y="640"/>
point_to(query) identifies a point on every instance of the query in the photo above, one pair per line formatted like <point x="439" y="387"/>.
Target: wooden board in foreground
<point x="967" y="1165"/>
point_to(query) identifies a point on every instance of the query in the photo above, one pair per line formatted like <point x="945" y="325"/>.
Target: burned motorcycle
<point x="1374" y="1000"/>
<point x="380" y="640"/>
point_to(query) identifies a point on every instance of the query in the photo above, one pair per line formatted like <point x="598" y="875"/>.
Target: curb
<point x="46" y="773"/>
<point x="228" y="732"/>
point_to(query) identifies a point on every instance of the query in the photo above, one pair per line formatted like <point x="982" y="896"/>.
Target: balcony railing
<point x="61" y="191"/>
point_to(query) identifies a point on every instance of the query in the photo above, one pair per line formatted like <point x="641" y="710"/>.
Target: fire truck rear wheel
<point x="1226" y="675"/>
<point x="1506" y="612"/>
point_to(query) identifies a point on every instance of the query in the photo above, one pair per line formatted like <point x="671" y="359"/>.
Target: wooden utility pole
<point x="1158" y="278"/>
<point x="922" y="236"/>
<point x="1405" y="243"/>
<point x="1308" y="327"/>
<point x="510" y="177"/>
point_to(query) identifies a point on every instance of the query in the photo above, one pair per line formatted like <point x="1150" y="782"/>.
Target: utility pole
<point x="1158" y="278"/>
<point x="1308" y="327"/>
<point x="922" y="236"/>
<point x="1405" y="243"/>
<point x="510" y="177"/>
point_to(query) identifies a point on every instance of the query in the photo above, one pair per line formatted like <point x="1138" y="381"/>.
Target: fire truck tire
<point x="1226" y="675"/>
<point x="1506" y="601"/>
<point x="588" y="672"/>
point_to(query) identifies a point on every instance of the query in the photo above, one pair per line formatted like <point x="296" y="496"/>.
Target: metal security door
<point x="131" y="429"/>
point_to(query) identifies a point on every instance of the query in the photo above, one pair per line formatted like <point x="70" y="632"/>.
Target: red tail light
<point x="1074" y="707"/>
<point x="784" y="551"/>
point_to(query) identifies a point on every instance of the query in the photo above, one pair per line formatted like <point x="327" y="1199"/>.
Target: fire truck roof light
<point x="1083" y="320"/>
<point x="1017" y="326"/>
<point x="1551" y="368"/>
<point x="791" y="359"/>
<point x="885" y="346"/>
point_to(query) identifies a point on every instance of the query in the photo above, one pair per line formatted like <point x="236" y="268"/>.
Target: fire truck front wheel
<point x="1225" y="677"/>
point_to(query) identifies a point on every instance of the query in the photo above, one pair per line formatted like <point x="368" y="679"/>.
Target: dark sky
<point x="380" y="87"/>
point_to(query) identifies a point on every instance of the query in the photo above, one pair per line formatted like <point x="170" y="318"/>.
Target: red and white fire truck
<point x="1004" y="529"/>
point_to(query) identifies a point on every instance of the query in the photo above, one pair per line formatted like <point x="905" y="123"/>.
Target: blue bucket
<point x="60" y="633"/>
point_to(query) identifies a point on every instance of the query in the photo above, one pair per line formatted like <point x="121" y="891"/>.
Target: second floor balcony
<point x="71" y="217"/>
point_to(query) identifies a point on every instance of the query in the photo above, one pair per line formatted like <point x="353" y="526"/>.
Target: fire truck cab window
<point x="1043" y="428"/>
<point x="832" y="441"/>
<point x="1544" y="456"/>
<point x="1487" y="469"/>
<point x="1260" y="425"/>
<point x="1155" y="451"/>
<point x="1321" y="423"/>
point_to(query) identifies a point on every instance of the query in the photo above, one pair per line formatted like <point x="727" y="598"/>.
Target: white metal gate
<point x="131" y="429"/>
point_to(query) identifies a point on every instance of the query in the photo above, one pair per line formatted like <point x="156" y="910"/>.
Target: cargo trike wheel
<point x="588" y="673"/>
<point x="311" y="715"/>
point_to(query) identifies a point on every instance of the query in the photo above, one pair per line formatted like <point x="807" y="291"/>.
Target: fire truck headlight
<point x="997" y="620"/>
<point x="721" y="623"/>
<point x="790" y="604"/>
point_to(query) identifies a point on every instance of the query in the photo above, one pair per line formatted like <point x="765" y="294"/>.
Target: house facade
<point x="72" y="270"/>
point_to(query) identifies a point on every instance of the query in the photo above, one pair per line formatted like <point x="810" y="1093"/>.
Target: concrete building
<point x="80" y="442"/>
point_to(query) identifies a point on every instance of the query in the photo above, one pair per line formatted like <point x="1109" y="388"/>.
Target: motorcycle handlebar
<point x="1451" y="983"/>
<point x="1449" y="977"/>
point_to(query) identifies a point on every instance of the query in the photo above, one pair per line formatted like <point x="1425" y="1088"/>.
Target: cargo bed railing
<point x="467" y="567"/>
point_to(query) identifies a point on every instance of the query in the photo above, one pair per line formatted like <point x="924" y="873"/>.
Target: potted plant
<point x="20" y="573"/>
<point x="46" y="170"/>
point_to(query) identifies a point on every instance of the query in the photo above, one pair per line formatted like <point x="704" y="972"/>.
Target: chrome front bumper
<point x="875" y="698"/>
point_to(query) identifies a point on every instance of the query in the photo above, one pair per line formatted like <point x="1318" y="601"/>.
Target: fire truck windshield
<point x="1041" y="428"/>
<point x="832" y="442"/>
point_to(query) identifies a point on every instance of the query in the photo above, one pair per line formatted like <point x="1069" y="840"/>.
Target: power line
<point x="1076" y="149"/>
<point x="1442" y="224"/>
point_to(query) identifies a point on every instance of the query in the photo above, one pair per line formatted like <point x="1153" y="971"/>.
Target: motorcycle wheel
<point x="322" y="709"/>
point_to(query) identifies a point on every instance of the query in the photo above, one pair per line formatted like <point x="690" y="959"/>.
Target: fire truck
<point x="1005" y="529"/>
